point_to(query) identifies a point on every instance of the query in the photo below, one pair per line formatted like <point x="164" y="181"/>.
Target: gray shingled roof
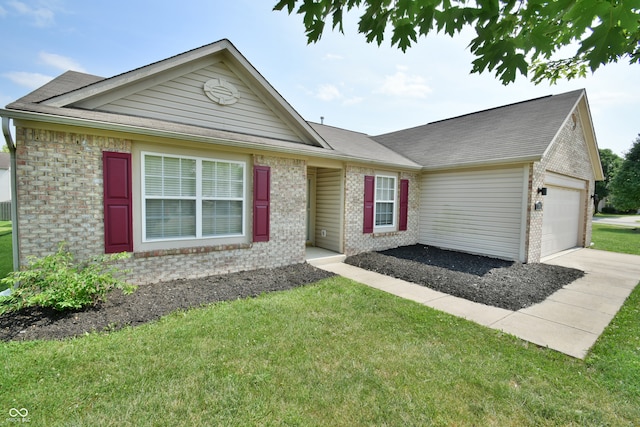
<point x="511" y="133"/>
<point x="64" y="83"/>
<point x="359" y="145"/>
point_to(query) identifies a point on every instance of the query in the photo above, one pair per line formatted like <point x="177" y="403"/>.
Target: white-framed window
<point x="385" y="202"/>
<point x="192" y="197"/>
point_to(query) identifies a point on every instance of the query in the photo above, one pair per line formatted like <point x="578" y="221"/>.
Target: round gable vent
<point x="221" y="91"/>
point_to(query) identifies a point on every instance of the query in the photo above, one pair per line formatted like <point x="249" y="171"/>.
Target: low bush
<point x="58" y="282"/>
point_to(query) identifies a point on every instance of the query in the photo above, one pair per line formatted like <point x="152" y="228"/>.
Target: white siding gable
<point x="179" y="96"/>
<point x="5" y="185"/>
<point x="481" y="211"/>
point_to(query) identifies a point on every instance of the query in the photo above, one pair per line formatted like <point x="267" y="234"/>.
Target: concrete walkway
<point x="569" y="321"/>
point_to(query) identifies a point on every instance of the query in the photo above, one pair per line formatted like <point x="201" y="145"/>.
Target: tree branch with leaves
<point x="510" y="36"/>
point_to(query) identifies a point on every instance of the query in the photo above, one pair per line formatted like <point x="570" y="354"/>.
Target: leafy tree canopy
<point x="610" y="163"/>
<point x="510" y="35"/>
<point x="625" y="185"/>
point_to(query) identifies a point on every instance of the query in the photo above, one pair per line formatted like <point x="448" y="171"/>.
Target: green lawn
<point x="334" y="353"/>
<point x="616" y="238"/>
<point x="6" y="254"/>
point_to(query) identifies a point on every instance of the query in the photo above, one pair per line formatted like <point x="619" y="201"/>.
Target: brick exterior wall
<point x="569" y="155"/>
<point x="286" y="245"/>
<point x="355" y="240"/>
<point x="59" y="180"/>
<point x="60" y="198"/>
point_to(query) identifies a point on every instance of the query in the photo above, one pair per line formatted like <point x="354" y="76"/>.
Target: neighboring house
<point x="5" y="177"/>
<point x="198" y="166"/>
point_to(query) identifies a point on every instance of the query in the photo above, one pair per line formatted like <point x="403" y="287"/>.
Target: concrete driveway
<point x="572" y="319"/>
<point x="569" y="321"/>
<point x="627" y="220"/>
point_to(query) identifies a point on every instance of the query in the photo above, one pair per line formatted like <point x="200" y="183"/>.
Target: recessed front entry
<point x="325" y="208"/>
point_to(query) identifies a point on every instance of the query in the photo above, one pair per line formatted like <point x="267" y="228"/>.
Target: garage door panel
<point x="560" y="220"/>
<point x="474" y="211"/>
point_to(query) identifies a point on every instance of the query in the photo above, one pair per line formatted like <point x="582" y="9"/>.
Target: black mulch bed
<point x="486" y="280"/>
<point x="150" y="302"/>
<point x="489" y="281"/>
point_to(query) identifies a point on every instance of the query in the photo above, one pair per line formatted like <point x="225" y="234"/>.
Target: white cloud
<point x="332" y="57"/>
<point x="3" y="11"/>
<point x="41" y="16"/>
<point x="60" y="62"/>
<point x="604" y="99"/>
<point x="353" y="101"/>
<point x="29" y="80"/>
<point x="404" y="85"/>
<point x="328" y="92"/>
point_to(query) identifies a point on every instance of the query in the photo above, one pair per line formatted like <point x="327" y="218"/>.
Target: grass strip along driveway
<point x="615" y="238"/>
<point x="333" y="353"/>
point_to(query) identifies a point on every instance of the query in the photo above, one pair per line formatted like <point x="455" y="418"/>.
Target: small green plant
<point x="58" y="282"/>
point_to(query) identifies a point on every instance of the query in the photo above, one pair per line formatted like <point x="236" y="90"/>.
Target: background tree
<point x="510" y="35"/>
<point x="610" y="164"/>
<point x="625" y="185"/>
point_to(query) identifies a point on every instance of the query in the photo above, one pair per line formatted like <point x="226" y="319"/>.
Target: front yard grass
<point x="333" y="353"/>
<point x="6" y="253"/>
<point x="616" y="238"/>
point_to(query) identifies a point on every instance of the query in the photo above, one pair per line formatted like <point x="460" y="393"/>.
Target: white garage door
<point x="481" y="211"/>
<point x="561" y="219"/>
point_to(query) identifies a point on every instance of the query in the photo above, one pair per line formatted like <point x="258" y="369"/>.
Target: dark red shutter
<point x="261" y="202"/>
<point x="404" y="204"/>
<point x="118" y="223"/>
<point x="369" y="200"/>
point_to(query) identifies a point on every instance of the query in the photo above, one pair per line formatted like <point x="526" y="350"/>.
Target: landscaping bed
<point x="486" y="280"/>
<point x="150" y="302"/>
<point x="499" y="283"/>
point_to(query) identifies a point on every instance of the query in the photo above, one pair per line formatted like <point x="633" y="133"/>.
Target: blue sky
<point x="352" y="84"/>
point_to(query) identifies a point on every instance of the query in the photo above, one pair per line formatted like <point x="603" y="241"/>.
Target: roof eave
<point x="484" y="163"/>
<point x="279" y="146"/>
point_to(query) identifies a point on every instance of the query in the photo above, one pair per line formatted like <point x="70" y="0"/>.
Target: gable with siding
<point x="209" y="89"/>
<point x="182" y="99"/>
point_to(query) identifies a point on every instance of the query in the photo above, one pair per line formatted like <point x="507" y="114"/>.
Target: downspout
<point x="14" y="192"/>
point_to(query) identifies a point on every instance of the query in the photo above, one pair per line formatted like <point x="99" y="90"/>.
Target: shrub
<point x="56" y="281"/>
<point x="609" y="210"/>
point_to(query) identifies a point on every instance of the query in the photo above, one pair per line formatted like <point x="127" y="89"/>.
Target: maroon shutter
<point x="369" y="200"/>
<point x="118" y="223"/>
<point x="261" y="202"/>
<point x="404" y="204"/>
